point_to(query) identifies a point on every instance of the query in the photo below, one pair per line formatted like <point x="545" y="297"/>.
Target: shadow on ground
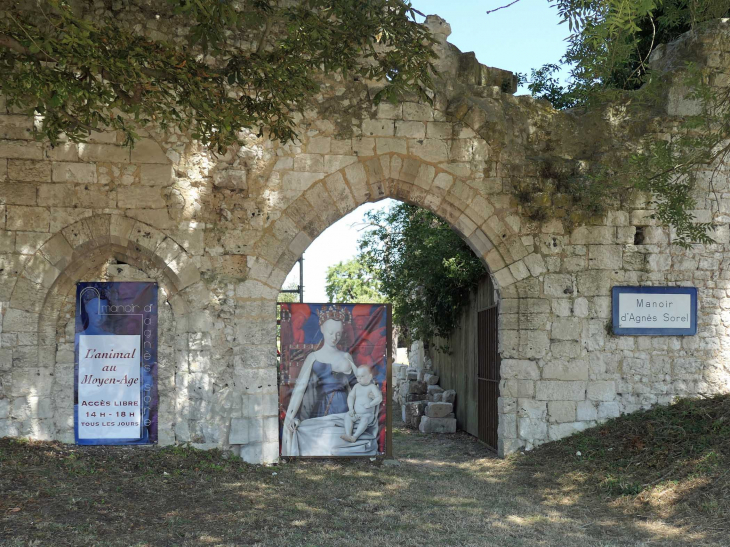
<point x="447" y="490"/>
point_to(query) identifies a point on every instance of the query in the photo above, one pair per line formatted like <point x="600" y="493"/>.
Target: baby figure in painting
<point x="362" y="401"/>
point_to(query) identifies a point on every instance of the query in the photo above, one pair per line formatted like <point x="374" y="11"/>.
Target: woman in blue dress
<point x="315" y="417"/>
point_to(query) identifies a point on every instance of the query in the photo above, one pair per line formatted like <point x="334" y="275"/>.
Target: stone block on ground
<point x="417" y="387"/>
<point x="449" y="396"/>
<point x="437" y="425"/>
<point x="412" y="413"/>
<point x="412" y="375"/>
<point x="439" y="410"/>
<point x="436" y="397"/>
<point x="413" y="397"/>
<point x="433" y="390"/>
<point x="431" y="379"/>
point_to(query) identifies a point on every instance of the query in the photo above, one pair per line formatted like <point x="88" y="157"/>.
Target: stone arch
<point x="490" y="227"/>
<point x="48" y="280"/>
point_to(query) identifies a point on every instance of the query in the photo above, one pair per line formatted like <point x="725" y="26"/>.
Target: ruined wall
<point x="220" y="234"/>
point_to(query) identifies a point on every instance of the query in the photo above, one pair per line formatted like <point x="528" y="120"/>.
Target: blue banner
<point x="115" y="376"/>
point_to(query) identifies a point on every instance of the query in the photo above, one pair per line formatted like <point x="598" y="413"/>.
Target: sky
<point x="524" y="36"/>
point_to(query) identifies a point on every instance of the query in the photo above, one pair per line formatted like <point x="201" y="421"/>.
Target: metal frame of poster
<point x="335" y="360"/>
<point x="115" y="372"/>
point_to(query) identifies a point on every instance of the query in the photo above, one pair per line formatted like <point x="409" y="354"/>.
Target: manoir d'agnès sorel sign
<point x="668" y="311"/>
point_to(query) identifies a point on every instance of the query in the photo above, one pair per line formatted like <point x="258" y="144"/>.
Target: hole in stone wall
<point x="639" y="236"/>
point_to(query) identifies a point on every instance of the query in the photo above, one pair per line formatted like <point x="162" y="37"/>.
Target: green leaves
<point x="353" y="281"/>
<point x="263" y="62"/>
<point x="608" y="54"/>
<point x="423" y="267"/>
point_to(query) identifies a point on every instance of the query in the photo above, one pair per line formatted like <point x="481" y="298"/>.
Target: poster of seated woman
<point x="319" y="373"/>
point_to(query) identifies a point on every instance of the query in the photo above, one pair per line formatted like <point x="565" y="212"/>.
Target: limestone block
<point x="681" y="102"/>
<point x="431" y="379"/>
<point x="520" y="369"/>
<point x="605" y="257"/>
<point x="378" y="128"/>
<point x="16" y="126"/>
<point x="82" y="173"/>
<point x="556" y="390"/>
<point x="252" y="453"/>
<point x="56" y="195"/>
<point x="388" y="145"/>
<point x="31" y="381"/>
<point x="580" y="307"/>
<point x="17" y="149"/>
<point x="28" y="219"/>
<point x="29" y="171"/>
<point x="412" y="129"/>
<point x="439" y="410"/>
<point x="434" y="389"/>
<point x="562" y="411"/>
<point x="598" y="235"/>
<point x="417" y="387"/>
<point x="139" y="197"/>
<point x="448" y="396"/>
<point x="559" y="431"/>
<point x="418" y="112"/>
<point x="437" y="425"/>
<point x="566" y="328"/>
<point x="42" y="430"/>
<point x="509" y="446"/>
<point x="507" y="427"/>
<point x="9" y="428"/>
<point x="565" y="370"/>
<point x="601" y="391"/>
<point x="20" y="321"/>
<point x="152" y="174"/>
<point x="565" y="350"/>
<point x="532" y="429"/>
<point x="595" y="283"/>
<point x="413" y="412"/>
<point x="300" y="181"/>
<point x="431" y="150"/>
<point x="309" y="163"/>
<point x="559" y="285"/>
<point x="608" y="410"/>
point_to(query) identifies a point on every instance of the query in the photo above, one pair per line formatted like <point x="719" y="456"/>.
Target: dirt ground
<point x="447" y="490"/>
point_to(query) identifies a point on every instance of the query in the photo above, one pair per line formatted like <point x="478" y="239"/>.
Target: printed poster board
<point x="115" y="376"/>
<point x="334" y="397"/>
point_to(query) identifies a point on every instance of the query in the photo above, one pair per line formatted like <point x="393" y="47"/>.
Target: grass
<point x="656" y="478"/>
<point x="672" y="462"/>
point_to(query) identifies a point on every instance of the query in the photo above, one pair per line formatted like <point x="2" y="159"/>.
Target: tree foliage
<point x="243" y="65"/>
<point x="608" y="53"/>
<point x="289" y="296"/>
<point x="351" y="282"/>
<point x="424" y="268"/>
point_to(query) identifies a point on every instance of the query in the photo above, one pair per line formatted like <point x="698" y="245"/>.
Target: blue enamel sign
<point x="655" y="311"/>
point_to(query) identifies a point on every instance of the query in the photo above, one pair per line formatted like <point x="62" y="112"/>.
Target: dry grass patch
<point x="448" y="490"/>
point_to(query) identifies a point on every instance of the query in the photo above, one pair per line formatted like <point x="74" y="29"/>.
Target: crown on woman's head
<point x="334" y="312"/>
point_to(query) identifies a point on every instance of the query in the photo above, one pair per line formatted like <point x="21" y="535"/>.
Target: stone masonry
<point x="220" y="233"/>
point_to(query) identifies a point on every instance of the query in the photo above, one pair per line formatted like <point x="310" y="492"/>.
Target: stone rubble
<point x="423" y="409"/>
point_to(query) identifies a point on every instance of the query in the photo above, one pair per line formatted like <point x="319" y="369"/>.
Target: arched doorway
<point x="425" y="186"/>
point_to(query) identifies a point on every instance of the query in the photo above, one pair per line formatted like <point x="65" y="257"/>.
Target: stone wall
<point x="220" y="234"/>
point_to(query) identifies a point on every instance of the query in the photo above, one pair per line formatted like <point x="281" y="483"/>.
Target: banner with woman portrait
<point x="333" y="387"/>
<point x="115" y="376"/>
